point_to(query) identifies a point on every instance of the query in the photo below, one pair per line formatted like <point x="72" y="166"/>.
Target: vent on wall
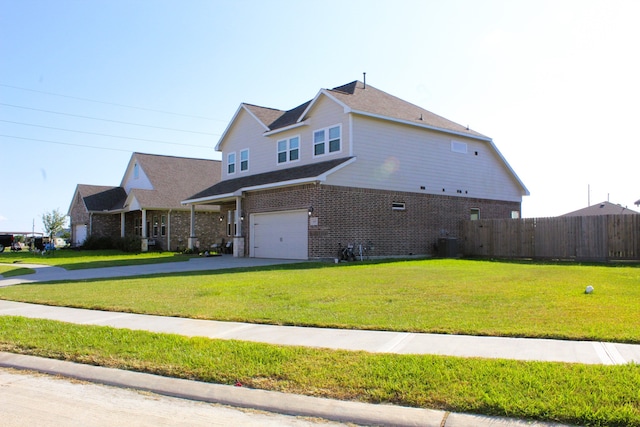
<point x="459" y="147"/>
<point x="398" y="206"/>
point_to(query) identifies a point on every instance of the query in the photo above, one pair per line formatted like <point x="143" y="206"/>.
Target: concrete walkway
<point x="46" y="273"/>
<point x="372" y="341"/>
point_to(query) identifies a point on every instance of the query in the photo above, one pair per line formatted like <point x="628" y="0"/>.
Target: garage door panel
<point x="280" y="235"/>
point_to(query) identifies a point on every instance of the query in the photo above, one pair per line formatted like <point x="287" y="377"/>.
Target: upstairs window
<point x="289" y="149"/>
<point x="244" y="160"/>
<point x="231" y="163"/>
<point x="326" y="140"/>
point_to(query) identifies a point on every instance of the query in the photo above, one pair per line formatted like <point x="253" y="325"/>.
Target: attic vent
<point x="459" y="147"/>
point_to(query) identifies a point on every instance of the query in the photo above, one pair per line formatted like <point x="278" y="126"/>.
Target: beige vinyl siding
<point x="399" y="157"/>
<point x="246" y="133"/>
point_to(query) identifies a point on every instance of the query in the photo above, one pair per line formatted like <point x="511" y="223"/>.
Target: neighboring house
<point x="354" y="165"/>
<point x="148" y="204"/>
<point x="604" y="208"/>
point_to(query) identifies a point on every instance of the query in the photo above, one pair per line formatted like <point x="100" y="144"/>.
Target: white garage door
<point x="79" y="234"/>
<point x="281" y="235"/>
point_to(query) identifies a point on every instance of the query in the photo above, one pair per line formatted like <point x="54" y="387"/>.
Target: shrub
<point x="94" y="243"/>
<point x="129" y="244"/>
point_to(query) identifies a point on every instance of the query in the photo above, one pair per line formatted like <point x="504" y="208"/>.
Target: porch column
<point x="144" y="240"/>
<point x="168" y="224"/>
<point x="122" y="224"/>
<point x="238" y="240"/>
<point x="193" y="240"/>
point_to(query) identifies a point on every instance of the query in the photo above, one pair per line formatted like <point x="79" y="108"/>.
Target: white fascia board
<point x="127" y="170"/>
<point x="509" y="168"/>
<point x="232" y="121"/>
<point x="275" y="131"/>
<point x="209" y="199"/>
<point x="407" y="122"/>
<point x="327" y="94"/>
<point x="277" y="185"/>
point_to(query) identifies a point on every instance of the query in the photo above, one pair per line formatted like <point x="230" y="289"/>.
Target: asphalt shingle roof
<point x="364" y="99"/>
<point x="604" y="208"/>
<point x="174" y="179"/>
<point x="300" y="172"/>
<point x="101" y="198"/>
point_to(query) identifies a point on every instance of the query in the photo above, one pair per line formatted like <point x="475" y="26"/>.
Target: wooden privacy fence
<point x="582" y="238"/>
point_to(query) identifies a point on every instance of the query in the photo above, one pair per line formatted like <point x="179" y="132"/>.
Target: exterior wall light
<point x="310" y="210"/>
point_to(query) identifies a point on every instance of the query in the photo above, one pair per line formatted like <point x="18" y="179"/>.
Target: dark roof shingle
<point x="299" y="172"/>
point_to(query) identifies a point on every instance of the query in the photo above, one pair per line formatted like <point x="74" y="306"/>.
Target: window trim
<point x="474" y="212"/>
<point x="231" y="164"/>
<point x="326" y="141"/>
<point x="288" y="150"/>
<point x="244" y="168"/>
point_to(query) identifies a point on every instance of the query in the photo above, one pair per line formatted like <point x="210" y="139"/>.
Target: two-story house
<point x="354" y="165"/>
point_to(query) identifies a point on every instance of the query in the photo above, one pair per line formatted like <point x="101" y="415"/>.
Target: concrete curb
<point x="276" y="402"/>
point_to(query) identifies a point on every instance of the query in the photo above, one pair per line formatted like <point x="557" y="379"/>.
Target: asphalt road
<point x="32" y="399"/>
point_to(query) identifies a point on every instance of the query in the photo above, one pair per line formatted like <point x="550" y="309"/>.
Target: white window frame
<point x="326" y="140"/>
<point x="244" y="164"/>
<point x="474" y="214"/>
<point x="231" y="163"/>
<point x="288" y="150"/>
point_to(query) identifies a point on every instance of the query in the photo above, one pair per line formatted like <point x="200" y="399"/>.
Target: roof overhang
<point x="286" y="128"/>
<point x="219" y="198"/>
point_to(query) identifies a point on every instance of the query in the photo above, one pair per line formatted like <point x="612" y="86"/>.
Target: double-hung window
<point x="326" y="141"/>
<point x="289" y="149"/>
<point x="244" y="160"/>
<point x="231" y="163"/>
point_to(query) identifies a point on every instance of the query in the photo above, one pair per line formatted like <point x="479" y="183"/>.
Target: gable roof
<point x="99" y="198"/>
<point x="173" y="179"/>
<point x="296" y="175"/>
<point x="368" y="100"/>
<point x="604" y="208"/>
<point x="356" y="98"/>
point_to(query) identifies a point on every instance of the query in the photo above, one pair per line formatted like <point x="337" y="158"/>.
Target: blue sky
<point x="554" y="83"/>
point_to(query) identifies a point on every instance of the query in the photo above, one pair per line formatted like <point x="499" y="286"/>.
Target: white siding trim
<point x="410" y="123"/>
<point x="233" y="120"/>
<point x="275" y="131"/>
<point x="328" y="95"/>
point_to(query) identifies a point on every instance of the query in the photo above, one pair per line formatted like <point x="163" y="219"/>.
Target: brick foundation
<point x="364" y="216"/>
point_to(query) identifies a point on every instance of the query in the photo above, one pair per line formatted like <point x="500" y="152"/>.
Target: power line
<point x="106" y="120"/>
<point x="111" y="103"/>
<point x="66" y="143"/>
<point x="104" y="134"/>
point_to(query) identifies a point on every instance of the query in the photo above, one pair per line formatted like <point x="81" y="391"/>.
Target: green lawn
<point x="447" y="296"/>
<point x="571" y="393"/>
<point x="14" y="270"/>
<point x="442" y="296"/>
<point x="78" y="260"/>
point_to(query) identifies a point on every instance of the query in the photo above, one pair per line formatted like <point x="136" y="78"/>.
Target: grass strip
<point x="438" y="296"/>
<point x="79" y="260"/>
<point x="10" y="271"/>
<point x="589" y="395"/>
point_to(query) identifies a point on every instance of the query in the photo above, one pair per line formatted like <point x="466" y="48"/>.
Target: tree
<point x="53" y="222"/>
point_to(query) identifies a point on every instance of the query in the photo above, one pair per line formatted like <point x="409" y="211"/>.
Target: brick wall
<point x="362" y="216"/>
<point x="208" y="228"/>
